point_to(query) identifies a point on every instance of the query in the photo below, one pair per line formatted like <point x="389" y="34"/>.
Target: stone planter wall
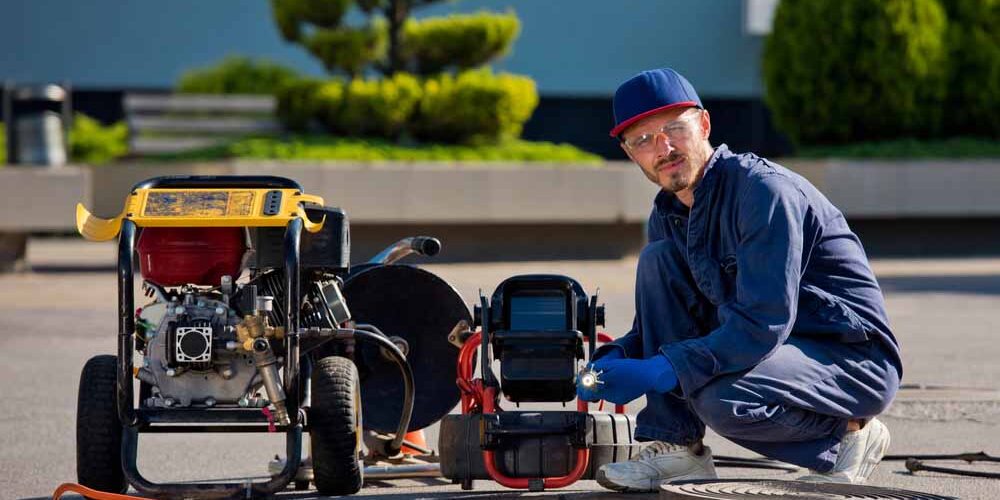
<point x="511" y="211"/>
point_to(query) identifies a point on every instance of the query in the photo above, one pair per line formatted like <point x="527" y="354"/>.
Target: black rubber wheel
<point x="335" y="419"/>
<point x="98" y="429"/>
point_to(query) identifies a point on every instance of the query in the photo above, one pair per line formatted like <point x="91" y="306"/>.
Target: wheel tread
<point x="98" y="428"/>
<point x="335" y="422"/>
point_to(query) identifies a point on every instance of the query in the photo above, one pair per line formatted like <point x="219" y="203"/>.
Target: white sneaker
<point x="656" y="464"/>
<point x="860" y="452"/>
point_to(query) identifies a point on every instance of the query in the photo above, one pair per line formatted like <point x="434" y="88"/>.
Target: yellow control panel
<point x="236" y="207"/>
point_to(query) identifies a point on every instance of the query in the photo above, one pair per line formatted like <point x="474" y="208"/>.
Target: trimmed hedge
<point x="320" y="148"/>
<point x="236" y="75"/>
<point x="458" y="41"/>
<point x="296" y="104"/>
<point x="347" y="49"/>
<point x="378" y="108"/>
<point x="473" y="107"/>
<point x="290" y="15"/>
<point x="974" y="55"/>
<point x="839" y="71"/>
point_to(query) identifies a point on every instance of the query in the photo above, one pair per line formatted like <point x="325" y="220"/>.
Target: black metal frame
<point x="139" y="420"/>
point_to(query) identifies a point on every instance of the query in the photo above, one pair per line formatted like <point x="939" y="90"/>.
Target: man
<point x="757" y="313"/>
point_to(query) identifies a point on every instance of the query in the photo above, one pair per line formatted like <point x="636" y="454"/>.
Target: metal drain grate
<point x="792" y="490"/>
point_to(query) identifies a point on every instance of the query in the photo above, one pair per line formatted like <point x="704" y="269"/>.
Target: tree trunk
<point x="396" y="13"/>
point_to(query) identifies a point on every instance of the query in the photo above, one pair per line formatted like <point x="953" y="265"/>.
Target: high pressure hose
<point x="371" y="333"/>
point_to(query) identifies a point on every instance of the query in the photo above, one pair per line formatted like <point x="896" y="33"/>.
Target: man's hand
<point x="604" y="354"/>
<point x="627" y="379"/>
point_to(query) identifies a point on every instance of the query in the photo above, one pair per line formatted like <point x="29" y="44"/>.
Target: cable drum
<point x="420" y="309"/>
<point x="791" y="490"/>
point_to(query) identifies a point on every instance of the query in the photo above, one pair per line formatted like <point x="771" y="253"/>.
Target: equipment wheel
<point x="98" y="428"/>
<point x="335" y="420"/>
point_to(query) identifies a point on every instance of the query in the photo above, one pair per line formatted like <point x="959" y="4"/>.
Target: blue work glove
<point x="626" y="379"/>
<point x="606" y="352"/>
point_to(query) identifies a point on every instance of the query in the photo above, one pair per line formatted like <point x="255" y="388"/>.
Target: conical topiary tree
<point x="389" y="40"/>
<point x="454" y="100"/>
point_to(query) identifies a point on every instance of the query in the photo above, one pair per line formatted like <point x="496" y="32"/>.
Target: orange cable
<point x="91" y="493"/>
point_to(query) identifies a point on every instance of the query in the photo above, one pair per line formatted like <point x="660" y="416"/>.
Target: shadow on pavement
<point x="979" y="284"/>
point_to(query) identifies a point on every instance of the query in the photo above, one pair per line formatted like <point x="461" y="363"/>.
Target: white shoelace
<point x="658" y="448"/>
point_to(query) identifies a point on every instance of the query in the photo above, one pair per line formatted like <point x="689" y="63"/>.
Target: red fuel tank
<point x="173" y="256"/>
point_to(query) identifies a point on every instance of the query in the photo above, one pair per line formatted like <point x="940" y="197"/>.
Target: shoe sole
<point x="603" y="480"/>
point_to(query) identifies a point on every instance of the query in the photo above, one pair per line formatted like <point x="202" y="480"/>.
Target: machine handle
<point x="422" y="245"/>
<point x="582" y="461"/>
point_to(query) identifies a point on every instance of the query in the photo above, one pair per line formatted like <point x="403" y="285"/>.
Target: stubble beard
<point x="678" y="179"/>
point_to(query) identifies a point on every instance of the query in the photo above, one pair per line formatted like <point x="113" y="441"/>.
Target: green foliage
<point x="369" y="150"/>
<point x="956" y="147"/>
<point x="974" y="55"/>
<point x="473" y="107"/>
<point x="329" y="105"/>
<point x="378" y="108"/>
<point x="347" y="49"/>
<point x="92" y="143"/>
<point x="367" y="107"/>
<point x="292" y="15"/>
<point x="296" y="103"/>
<point x="838" y="71"/>
<point x="236" y="75"/>
<point x="460" y="41"/>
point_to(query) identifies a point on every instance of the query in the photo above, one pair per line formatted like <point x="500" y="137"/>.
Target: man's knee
<point x="726" y="408"/>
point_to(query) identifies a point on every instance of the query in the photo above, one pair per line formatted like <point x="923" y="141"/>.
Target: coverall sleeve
<point x="759" y="318"/>
<point x="631" y="342"/>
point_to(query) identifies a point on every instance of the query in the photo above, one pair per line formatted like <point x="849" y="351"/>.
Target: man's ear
<point x="706" y="124"/>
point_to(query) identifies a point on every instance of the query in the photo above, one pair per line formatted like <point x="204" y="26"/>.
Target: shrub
<point x="355" y="149"/>
<point x="329" y="104"/>
<point x="347" y="49"/>
<point x="289" y="15"/>
<point x="236" y="75"/>
<point x="297" y="105"/>
<point x="974" y="54"/>
<point x="837" y="71"/>
<point x="90" y="142"/>
<point x="461" y="41"/>
<point x="378" y="108"/>
<point x="474" y="106"/>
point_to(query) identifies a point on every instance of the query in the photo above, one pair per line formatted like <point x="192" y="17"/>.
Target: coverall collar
<point x="667" y="203"/>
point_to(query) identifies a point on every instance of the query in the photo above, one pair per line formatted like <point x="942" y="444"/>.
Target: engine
<point x="207" y="341"/>
<point x="198" y="350"/>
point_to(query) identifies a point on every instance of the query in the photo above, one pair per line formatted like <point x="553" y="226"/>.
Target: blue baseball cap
<point x="650" y="92"/>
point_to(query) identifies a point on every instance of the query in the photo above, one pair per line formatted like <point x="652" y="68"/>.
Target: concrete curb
<point x="512" y="210"/>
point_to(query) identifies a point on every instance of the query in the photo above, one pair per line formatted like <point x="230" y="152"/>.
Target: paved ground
<point x="945" y="312"/>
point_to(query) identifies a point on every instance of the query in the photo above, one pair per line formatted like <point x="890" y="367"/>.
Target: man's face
<point x="670" y="147"/>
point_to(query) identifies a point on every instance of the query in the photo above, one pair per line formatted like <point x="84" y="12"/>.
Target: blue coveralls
<point x="764" y="302"/>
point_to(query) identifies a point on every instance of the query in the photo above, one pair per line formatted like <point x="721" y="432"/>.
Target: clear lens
<point x="675" y="131"/>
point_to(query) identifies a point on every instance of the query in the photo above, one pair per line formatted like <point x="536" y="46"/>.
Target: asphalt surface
<point x="946" y="314"/>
